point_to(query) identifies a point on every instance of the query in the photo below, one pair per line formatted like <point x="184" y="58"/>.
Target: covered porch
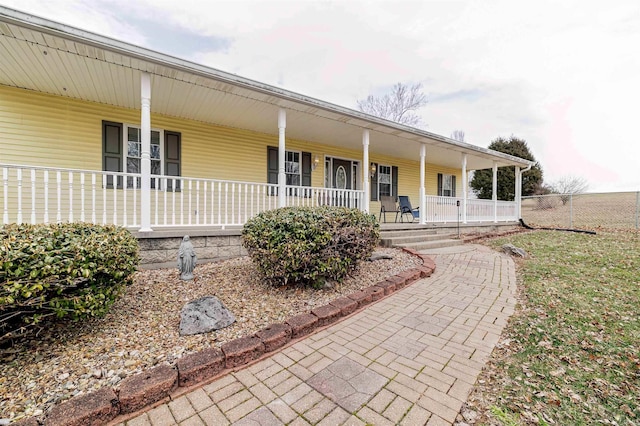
<point x="72" y="156"/>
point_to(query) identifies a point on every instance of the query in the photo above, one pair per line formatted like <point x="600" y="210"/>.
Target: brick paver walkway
<point x="409" y="359"/>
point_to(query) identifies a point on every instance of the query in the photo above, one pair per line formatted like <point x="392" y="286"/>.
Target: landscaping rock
<point x="512" y="250"/>
<point x="203" y="315"/>
<point x="379" y="256"/>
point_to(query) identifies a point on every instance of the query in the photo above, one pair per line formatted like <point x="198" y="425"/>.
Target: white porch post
<point x="365" y="170"/>
<point x="518" y="191"/>
<point x="145" y="136"/>
<point x="494" y="191"/>
<point x="282" y="176"/>
<point x="423" y="195"/>
<point x="464" y="188"/>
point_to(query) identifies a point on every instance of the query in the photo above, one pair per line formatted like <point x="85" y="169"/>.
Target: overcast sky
<point x="562" y="75"/>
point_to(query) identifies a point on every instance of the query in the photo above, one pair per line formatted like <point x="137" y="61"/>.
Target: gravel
<point x="141" y="329"/>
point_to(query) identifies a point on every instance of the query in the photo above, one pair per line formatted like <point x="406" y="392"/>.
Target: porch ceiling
<point x="52" y="58"/>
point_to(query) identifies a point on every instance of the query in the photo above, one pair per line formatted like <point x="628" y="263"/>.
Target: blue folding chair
<point x="405" y="208"/>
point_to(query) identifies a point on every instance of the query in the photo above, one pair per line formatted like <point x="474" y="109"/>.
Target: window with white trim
<point x="446" y="185"/>
<point x="122" y="151"/>
<point x="293" y="167"/>
<point x="133" y="154"/>
<point x="384" y="181"/>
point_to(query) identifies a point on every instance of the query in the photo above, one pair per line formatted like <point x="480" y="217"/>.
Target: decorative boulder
<point x="514" y="251"/>
<point x="203" y="315"/>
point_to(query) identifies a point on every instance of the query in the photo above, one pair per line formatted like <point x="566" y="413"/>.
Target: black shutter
<point x="440" y="184"/>
<point x="394" y="182"/>
<point x="453" y="186"/>
<point x="112" y="150"/>
<point x="172" y="155"/>
<point x="306" y="169"/>
<point x="272" y="164"/>
<point x="374" y="184"/>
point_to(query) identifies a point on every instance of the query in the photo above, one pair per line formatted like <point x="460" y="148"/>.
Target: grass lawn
<point x="571" y="352"/>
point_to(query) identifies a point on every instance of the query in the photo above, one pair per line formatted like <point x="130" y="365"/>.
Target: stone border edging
<point x="156" y="384"/>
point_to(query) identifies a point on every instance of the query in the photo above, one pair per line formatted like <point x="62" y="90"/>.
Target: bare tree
<point x="398" y="106"/>
<point x="569" y="185"/>
<point x="458" y="135"/>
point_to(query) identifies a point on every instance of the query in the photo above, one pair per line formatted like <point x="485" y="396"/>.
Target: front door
<point x="341" y="174"/>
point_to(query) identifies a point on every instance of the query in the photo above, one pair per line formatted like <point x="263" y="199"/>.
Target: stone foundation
<point x="160" y="248"/>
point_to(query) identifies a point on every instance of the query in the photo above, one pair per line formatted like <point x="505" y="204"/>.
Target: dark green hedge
<point x="69" y="270"/>
<point x="309" y="244"/>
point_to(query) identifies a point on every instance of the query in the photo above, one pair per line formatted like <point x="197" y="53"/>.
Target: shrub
<point x="309" y="244"/>
<point x="70" y="270"/>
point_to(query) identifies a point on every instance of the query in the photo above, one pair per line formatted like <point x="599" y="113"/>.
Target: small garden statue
<point x="186" y="259"/>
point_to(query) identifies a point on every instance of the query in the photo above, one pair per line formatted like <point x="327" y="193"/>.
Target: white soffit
<point x="64" y="61"/>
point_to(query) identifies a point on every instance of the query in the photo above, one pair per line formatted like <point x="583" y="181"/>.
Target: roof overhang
<point x="49" y="57"/>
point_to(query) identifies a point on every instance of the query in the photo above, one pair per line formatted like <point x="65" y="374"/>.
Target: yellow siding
<point x="44" y="130"/>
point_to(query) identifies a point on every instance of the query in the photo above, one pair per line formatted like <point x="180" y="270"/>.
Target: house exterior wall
<point x="45" y="130"/>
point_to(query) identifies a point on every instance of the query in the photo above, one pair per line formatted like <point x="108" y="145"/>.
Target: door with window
<point x="341" y="174"/>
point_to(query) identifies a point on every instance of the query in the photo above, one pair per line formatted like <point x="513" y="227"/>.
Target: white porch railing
<point x="43" y="195"/>
<point x="446" y="210"/>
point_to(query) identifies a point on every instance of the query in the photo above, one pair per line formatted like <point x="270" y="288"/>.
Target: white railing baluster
<point x="125" y="188"/>
<point x="115" y="196"/>
<point x="105" y="179"/>
<point x="190" y="202"/>
<point x="33" y="196"/>
<point x="70" y="196"/>
<point x="93" y="198"/>
<point x="226" y="204"/>
<point x="219" y="203"/>
<point x="182" y="189"/>
<point x="82" y="219"/>
<point x="212" y="197"/>
<point x="135" y="202"/>
<point x="5" y="185"/>
<point x="233" y="201"/>
<point x="173" y="207"/>
<point x="204" y="203"/>
<point x="19" y="176"/>
<point x="197" y="202"/>
<point x="45" y="177"/>
<point x="252" y="200"/>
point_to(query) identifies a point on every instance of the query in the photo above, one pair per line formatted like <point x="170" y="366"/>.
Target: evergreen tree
<point x="531" y="180"/>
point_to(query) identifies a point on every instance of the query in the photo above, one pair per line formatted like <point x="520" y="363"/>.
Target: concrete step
<point x="406" y="232"/>
<point x="426" y="245"/>
<point x="413" y="238"/>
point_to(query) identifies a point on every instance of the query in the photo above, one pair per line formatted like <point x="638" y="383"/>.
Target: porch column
<point x="145" y="155"/>
<point x="494" y="191"/>
<point x="365" y="170"/>
<point x="464" y="188"/>
<point x="423" y="194"/>
<point x="518" y="191"/>
<point x="282" y="176"/>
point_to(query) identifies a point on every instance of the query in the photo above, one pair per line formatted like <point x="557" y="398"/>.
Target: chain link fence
<point x="614" y="210"/>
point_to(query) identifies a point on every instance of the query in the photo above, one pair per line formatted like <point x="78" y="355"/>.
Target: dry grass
<point x="570" y="355"/>
<point x="584" y="211"/>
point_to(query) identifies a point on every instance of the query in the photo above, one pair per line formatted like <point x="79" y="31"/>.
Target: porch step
<point x="417" y="237"/>
<point x="426" y="245"/>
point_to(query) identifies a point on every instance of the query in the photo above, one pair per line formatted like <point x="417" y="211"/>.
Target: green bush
<point x="309" y="244"/>
<point x="70" y="270"/>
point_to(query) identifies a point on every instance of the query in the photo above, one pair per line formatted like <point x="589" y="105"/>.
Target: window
<point x="446" y="185"/>
<point x="292" y="168"/>
<point x="134" y="155"/>
<point x="297" y="167"/>
<point x="122" y="151"/>
<point x="384" y="182"/>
